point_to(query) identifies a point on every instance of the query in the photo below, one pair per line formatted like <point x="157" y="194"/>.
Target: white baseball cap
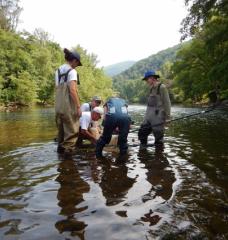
<point x="98" y="110"/>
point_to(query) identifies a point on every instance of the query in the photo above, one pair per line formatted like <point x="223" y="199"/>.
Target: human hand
<point x="79" y="111"/>
<point x="167" y="122"/>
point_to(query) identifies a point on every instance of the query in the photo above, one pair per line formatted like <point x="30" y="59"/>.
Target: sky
<point x="114" y="30"/>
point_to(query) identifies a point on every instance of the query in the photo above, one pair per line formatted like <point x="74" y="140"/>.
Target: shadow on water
<point x="175" y="192"/>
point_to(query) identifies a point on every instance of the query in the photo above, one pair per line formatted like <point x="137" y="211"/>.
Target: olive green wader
<point x="67" y="119"/>
<point x="158" y="110"/>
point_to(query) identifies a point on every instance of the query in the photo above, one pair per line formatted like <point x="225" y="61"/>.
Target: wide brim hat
<point x="77" y="56"/>
<point x="150" y="73"/>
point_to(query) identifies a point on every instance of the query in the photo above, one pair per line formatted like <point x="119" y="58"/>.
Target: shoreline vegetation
<point x="191" y="69"/>
<point x="16" y="106"/>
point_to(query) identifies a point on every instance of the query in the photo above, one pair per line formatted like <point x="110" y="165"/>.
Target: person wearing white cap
<point x="85" y="121"/>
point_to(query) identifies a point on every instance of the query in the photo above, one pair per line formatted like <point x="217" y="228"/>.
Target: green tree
<point x="200" y="12"/>
<point x="201" y="66"/>
<point x="93" y="80"/>
<point x="9" y="14"/>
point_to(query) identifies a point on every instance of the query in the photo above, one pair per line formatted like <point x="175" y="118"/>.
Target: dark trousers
<point x="146" y="129"/>
<point x="110" y="124"/>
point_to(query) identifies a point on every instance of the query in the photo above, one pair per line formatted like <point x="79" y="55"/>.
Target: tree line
<point x="191" y="69"/>
<point x="195" y="67"/>
<point x="28" y="62"/>
<point x="201" y="66"/>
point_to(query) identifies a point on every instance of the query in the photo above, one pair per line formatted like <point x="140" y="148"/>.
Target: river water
<point x="178" y="192"/>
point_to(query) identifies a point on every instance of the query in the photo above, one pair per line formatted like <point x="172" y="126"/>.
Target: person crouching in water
<point x="115" y="116"/>
<point x="157" y="111"/>
<point x="86" y="120"/>
<point x="88" y="107"/>
<point x="67" y="104"/>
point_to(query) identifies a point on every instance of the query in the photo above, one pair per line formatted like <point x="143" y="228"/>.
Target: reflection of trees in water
<point x="70" y="194"/>
<point x="160" y="176"/>
<point x="114" y="182"/>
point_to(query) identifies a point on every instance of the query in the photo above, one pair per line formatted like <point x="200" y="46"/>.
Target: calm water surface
<point x="179" y="192"/>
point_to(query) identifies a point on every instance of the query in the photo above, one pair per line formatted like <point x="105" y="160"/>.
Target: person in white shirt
<point x="95" y="102"/>
<point x="85" y="121"/>
<point x="67" y="104"/>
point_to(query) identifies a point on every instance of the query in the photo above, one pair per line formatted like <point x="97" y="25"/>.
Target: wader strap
<point x="158" y="89"/>
<point x="65" y="75"/>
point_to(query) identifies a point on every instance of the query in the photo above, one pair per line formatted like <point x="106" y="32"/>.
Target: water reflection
<point x="176" y="193"/>
<point x="70" y="195"/>
<point x="159" y="172"/>
<point x="115" y="182"/>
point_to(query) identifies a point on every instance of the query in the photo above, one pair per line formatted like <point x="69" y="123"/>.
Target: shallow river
<point x="179" y="192"/>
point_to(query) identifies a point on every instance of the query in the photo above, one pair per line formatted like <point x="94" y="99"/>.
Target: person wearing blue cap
<point x="67" y="103"/>
<point x="157" y="111"/>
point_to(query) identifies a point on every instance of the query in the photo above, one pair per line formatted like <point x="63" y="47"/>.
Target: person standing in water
<point x="67" y="103"/>
<point x="157" y="111"/>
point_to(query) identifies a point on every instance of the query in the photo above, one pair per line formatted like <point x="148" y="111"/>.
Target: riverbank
<point x="13" y="106"/>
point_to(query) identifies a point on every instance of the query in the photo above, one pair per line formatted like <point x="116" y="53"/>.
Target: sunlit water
<point x="179" y="192"/>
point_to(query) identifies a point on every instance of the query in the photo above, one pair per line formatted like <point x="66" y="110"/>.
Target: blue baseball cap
<point x="150" y="73"/>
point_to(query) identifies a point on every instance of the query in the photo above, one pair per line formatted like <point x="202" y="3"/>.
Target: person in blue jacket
<point x="115" y="117"/>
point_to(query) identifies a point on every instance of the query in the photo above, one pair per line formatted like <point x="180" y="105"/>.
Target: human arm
<point x="86" y="134"/>
<point x="166" y="101"/>
<point x="74" y="96"/>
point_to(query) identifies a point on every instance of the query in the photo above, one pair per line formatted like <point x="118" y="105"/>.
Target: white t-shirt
<point x="72" y="75"/>
<point x="85" y="107"/>
<point x="85" y="120"/>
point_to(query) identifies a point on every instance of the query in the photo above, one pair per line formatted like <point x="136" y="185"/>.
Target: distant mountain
<point x="117" y="68"/>
<point x="154" y="62"/>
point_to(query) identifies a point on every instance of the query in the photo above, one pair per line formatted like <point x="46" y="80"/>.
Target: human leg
<point x="71" y="132"/>
<point x="109" y="126"/>
<point x="143" y="133"/>
<point x="60" y="137"/>
<point x="123" y="125"/>
<point x="158" y="135"/>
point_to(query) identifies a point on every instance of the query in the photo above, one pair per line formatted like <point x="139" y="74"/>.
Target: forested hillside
<point x="201" y="66"/>
<point x="129" y="83"/>
<point x="117" y="68"/>
<point x="193" y="69"/>
<point x="28" y="62"/>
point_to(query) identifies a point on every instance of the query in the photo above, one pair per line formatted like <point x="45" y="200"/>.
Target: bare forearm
<point x="88" y="135"/>
<point x="166" y="102"/>
<point x="75" y="97"/>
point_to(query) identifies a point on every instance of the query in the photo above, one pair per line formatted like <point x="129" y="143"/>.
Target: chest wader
<point x="116" y="117"/>
<point x="67" y="119"/>
<point x="154" y="115"/>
